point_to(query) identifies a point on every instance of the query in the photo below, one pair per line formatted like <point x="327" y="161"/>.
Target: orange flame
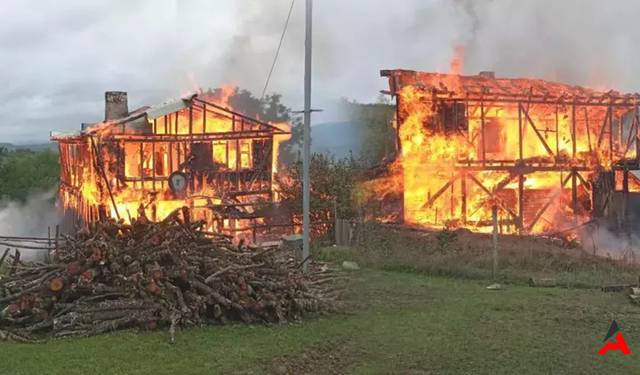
<point x="453" y="177"/>
<point x="144" y="160"/>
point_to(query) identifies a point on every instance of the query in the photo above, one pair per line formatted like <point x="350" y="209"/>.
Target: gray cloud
<point x="57" y="57"/>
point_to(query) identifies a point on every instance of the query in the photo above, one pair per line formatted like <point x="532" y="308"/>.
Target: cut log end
<point x="13" y="309"/>
<point x="73" y="268"/>
<point x="157" y="274"/>
<point x="88" y="275"/>
<point x="217" y="311"/>
<point x="156" y="240"/>
<point x="56" y="284"/>
<point x="153" y="324"/>
<point x="153" y="288"/>
<point x="97" y="254"/>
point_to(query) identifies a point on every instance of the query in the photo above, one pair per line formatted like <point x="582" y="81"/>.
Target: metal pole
<point x="307" y="133"/>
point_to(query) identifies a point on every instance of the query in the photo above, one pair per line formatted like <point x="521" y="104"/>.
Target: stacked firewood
<point x="145" y="275"/>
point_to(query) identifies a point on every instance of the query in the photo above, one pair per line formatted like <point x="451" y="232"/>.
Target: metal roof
<point x="170" y="106"/>
<point x="65" y="135"/>
<point x="483" y="85"/>
<point x="158" y="110"/>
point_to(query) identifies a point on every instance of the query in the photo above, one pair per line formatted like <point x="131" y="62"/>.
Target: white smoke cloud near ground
<point x="598" y="240"/>
<point x="30" y="219"/>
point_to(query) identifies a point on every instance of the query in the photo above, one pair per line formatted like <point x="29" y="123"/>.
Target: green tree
<point x="375" y="122"/>
<point x="333" y="185"/>
<point x="23" y="172"/>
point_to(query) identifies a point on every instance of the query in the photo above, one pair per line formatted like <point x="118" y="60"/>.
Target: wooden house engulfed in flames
<point x="193" y="151"/>
<point x="542" y="152"/>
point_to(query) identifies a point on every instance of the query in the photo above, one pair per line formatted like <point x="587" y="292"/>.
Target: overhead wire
<point x="275" y="58"/>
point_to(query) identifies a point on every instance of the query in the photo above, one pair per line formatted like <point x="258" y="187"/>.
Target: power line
<point x="275" y="58"/>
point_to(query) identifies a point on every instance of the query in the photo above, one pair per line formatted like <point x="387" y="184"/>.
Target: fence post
<point x="494" y="211"/>
<point x="57" y="235"/>
<point x="48" y="256"/>
<point x="336" y="223"/>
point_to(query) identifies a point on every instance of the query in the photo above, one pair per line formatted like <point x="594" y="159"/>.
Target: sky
<point x="58" y="57"/>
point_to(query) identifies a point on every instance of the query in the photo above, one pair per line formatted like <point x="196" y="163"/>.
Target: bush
<point x="333" y="186"/>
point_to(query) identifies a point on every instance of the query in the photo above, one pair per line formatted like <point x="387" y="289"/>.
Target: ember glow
<point x="537" y="150"/>
<point x="123" y="166"/>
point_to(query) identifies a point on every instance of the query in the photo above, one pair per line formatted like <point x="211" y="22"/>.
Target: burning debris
<point x="145" y="275"/>
<point x="194" y="151"/>
<point x="546" y="154"/>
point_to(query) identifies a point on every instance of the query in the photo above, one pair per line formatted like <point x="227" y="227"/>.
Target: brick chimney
<point x="115" y="105"/>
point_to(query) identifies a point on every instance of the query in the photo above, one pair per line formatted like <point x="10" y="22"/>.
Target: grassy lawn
<point x="469" y="256"/>
<point x="400" y="323"/>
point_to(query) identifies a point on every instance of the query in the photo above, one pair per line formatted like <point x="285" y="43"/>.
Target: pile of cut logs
<point x="164" y="274"/>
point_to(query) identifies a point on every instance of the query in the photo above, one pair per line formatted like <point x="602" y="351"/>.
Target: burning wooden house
<point x="542" y="152"/>
<point x="193" y="151"/>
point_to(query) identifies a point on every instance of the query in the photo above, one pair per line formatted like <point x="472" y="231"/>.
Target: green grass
<point x="399" y="323"/>
<point x="469" y="255"/>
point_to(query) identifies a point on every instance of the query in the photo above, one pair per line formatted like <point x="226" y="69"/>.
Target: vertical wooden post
<point x="484" y="143"/>
<point x="255" y="232"/>
<point x="204" y="118"/>
<point x="574" y="195"/>
<point x="463" y="192"/>
<point x="48" y="256"/>
<point x="625" y="196"/>
<point x="57" y="235"/>
<point x="494" y="211"/>
<point x="557" y="133"/>
<point x="520" y="203"/>
<point x="621" y="134"/>
<point x="573" y="129"/>
<point x="611" y="131"/>
<point x="153" y="164"/>
<point x="520" y="152"/>
<point x="141" y="161"/>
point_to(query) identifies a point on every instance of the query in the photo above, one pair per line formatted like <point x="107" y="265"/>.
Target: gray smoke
<point x="589" y="42"/>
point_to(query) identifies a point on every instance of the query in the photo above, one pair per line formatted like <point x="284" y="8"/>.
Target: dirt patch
<point x="329" y="359"/>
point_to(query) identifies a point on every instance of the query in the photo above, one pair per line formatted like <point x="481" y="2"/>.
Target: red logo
<point x="620" y="344"/>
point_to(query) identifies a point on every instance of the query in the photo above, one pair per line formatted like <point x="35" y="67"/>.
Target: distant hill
<point x="336" y="138"/>
<point x="51" y="146"/>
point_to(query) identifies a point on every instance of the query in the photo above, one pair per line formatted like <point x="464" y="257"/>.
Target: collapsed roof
<point x="485" y="85"/>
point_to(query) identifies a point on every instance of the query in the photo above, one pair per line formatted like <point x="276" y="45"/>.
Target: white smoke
<point x="599" y="240"/>
<point x="30" y="219"/>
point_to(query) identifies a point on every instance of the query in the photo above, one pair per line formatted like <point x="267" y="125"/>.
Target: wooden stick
<point x="16" y="261"/>
<point x="4" y="255"/>
<point x="615" y="288"/>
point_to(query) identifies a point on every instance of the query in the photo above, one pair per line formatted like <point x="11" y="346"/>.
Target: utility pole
<point x="306" y="150"/>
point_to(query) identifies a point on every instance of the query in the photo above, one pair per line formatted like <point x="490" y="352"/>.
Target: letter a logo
<point x="620" y="344"/>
